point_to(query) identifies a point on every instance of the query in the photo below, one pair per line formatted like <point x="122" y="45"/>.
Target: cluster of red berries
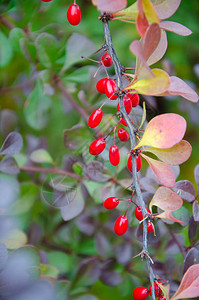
<point x="73" y="13"/>
<point x="141" y="292"/>
<point x="108" y="86"/>
<point x="121" y="224"/>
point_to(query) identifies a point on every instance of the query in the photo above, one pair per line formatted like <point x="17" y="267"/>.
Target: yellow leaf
<point x="152" y="86"/>
<point x="129" y="13"/>
<point x="150" y="12"/>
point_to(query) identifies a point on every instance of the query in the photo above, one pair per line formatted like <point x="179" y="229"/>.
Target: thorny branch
<point x="118" y="71"/>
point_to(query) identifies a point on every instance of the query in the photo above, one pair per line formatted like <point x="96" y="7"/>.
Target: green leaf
<point x="183" y="215"/>
<point x="80" y="75"/>
<point x="49" y="270"/>
<point x="61" y="290"/>
<point x="27" y="9"/>
<point x="5" y="50"/>
<point x="41" y="156"/>
<point x="78" y="169"/>
<point x="28" y="49"/>
<point x="15" y="35"/>
<point x="36" y="108"/>
<point x="60" y="260"/>
<point x="47" y="49"/>
<point x="14" y="239"/>
<point x="129" y="13"/>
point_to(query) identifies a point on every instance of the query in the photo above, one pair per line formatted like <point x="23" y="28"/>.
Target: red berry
<point x="158" y="291"/>
<point x="123" y="122"/>
<point x="110" y="89"/>
<point x="114" y="155"/>
<point x="150" y="227"/>
<point x="138" y="213"/>
<point x="127" y="105"/>
<point x="95" y="118"/>
<point x="121" y="225"/>
<point x="46" y="0"/>
<point x="123" y="135"/>
<point x="138" y="163"/>
<point x="97" y="146"/>
<point x="135" y="99"/>
<point x="111" y="202"/>
<point x="106" y="60"/>
<point x="162" y="297"/>
<point x="74" y="14"/>
<point x="101" y="84"/>
<point x="140" y="293"/>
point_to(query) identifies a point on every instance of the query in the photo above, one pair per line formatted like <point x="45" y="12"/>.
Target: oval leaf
<point x="151" y="40"/>
<point x="41" y="156"/>
<point x="8" y="165"/>
<point x="174" y="156"/>
<point x="110" y="5"/>
<point x="168" y="216"/>
<point x="166" y="199"/>
<point x="14" y="239"/>
<point x="12" y="144"/>
<point x="150" y="12"/>
<point x="162" y="171"/>
<point x="175" y="27"/>
<point x="160" y="49"/>
<point x="152" y="86"/>
<point x="185" y="189"/>
<point x="189" y="284"/>
<point x="165" y="8"/>
<point x="130" y="13"/>
<point x="163" y="131"/>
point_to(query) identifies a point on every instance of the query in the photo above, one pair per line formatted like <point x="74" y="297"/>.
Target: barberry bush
<point x="99" y="169"/>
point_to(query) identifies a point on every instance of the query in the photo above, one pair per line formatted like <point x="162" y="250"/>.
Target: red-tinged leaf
<point x="166" y="199"/>
<point x="142" y="69"/>
<point x="141" y="24"/>
<point x="175" y="27"/>
<point x="168" y="216"/>
<point x="189" y="285"/>
<point x="180" y="88"/>
<point x="151" y="40"/>
<point x="174" y="156"/>
<point x="163" y="131"/>
<point x="110" y="5"/>
<point x="150" y="11"/>
<point x="162" y="171"/>
<point x="160" y="50"/>
<point x="165" y="8"/>
<point x="152" y="86"/>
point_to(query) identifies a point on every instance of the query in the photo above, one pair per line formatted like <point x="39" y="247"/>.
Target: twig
<point x="6" y="22"/>
<point x="118" y="72"/>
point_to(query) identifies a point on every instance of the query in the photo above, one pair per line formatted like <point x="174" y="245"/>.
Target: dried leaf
<point x="174" y="156"/>
<point x="166" y="199"/>
<point x="152" y="86"/>
<point x="12" y="144"/>
<point x="165" y="8"/>
<point x="163" y="131"/>
<point x="189" y="284"/>
<point x="180" y="88"/>
<point x="175" y="27"/>
<point x="162" y="171"/>
<point x="111" y="5"/>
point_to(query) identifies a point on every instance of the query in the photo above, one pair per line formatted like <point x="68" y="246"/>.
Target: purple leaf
<point x="191" y="258"/>
<point x="110" y="5"/>
<point x="8" y="121"/>
<point x="196" y="175"/>
<point x="185" y="190"/>
<point x="86" y="224"/>
<point x="148" y="184"/>
<point x="151" y="40"/>
<point x="103" y="245"/>
<point x="3" y="256"/>
<point x="12" y="144"/>
<point x="180" y="88"/>
<point x="175" y="27"/>
<point x="160" y="49"/>
<point x="196" y="211"/>
<point x="95" y="170"/>
<point x="108" y="275"/>
<point x="8" y="165"/>
<point x="165" y="8"/>
<point x="192" y="229"/>
<point x="124" y="253"/>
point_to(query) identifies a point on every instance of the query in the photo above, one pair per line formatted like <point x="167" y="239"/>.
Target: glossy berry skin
<point x="123" y="135"/>
<point x="158" y="291"/>
<point x="121" y="225"/>
<point x="123" y="122"/>
<point x="101" y="84"/>
<point x="138" y="163"/>
<point x="150" y="227"/>
<point x="46" y="0"/>
<point x="106" y="60"/>
<point x="111" y="202"/>
<point x="135" y="99"/>
<point x="162" y="297"/>
<point x="74" y="14"/>
<point x="138" y="213"/>
<point x="140" y="293"/>
<point x="95" y="118"/>
<point x="110" y="89"/>
<point x="114" y="155"/>
<point x="127" y="105"/>
<point x="97" y="146"/>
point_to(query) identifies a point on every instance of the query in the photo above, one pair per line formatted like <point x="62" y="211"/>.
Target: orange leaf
<point x="166" y="199"/>
<point x="163" y="131"/>
<point x="189" y="287"/>
<point x="162" y="171"/>
<point x="174" y="156"/>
